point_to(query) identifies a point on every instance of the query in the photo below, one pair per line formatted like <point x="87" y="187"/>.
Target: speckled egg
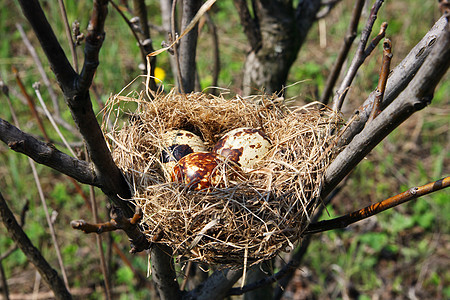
<point x="177" y="144"/>
<point x="244" y="146"/>
<point x="198" y="170"/>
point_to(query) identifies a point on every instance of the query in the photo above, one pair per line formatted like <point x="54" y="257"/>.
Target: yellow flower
<point x="160" y="74"/>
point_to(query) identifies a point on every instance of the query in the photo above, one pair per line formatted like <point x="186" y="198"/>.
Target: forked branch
<point x="119" y="222"/>
<point x="361" y="55"/>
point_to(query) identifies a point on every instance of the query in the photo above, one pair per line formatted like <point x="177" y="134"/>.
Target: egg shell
<point x="243" y="146"/>
<point x="177" y="144"/>
<point x="198" y="170"/>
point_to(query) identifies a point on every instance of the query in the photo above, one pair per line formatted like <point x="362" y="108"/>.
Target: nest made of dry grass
<point x="243" y="221"/>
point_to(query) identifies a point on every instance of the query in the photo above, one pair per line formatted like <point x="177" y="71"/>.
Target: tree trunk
<point x="283" y="30"/>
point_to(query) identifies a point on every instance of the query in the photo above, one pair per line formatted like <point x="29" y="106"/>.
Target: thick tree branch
<point x="47" y="154"/>
<point x="16" y="233"/>
<point x="163" y="272"/>
<point x="217" y="286"/>
<point x="398" y="80"/>
<point x="250" y="26"/>
<point x="416" y="96"/>
<point x="188" y="45"/>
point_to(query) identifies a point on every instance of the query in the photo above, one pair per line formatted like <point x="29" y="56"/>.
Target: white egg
<point x="244" y="146"/>
<point x="177" y="144"/>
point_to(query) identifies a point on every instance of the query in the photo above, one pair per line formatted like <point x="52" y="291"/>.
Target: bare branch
<point x="216" y="52"/>
<point x="38" y="63"/>
<point x="94" y="41"/>
<point x="188" y="45"/>
<point x="118" y="221"/>
<point x="16" y="233"/>
<point x="30" y="103"/>
<point x="384" y="73"/>
<point x="398" y="80"/>
<point x="416" y="96"/>
<point x="360" y="56"/>
<point x="371" y="210"/>
<point x="343" y="52"/>
<point x="62" y="9"/>
<point x="47" y="154"/>
<point x="76" y="93"/>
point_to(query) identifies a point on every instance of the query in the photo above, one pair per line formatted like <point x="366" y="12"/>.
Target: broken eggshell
<point x="177" y="144"/>
<point x="198" y="170"/>
<point x="243" y="146"/>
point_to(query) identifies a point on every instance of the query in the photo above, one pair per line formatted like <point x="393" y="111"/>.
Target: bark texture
<point x="281" y="30"/>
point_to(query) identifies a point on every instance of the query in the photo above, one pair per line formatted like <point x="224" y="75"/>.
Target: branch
<point x="16" y="233"/>
<point x="344" y="221"/>
<point x="163" y="272"/>
<point x="398" y="80"/>
<point x="38" y="63"/>
<point x="118" y="221"/>
<point x="251" y="27"/>
<point x="94" y="41"/>
<point x="217" y="286"/>
<point x="76" y="93"/>
<point x="47" y="154"/>
<point x="188" y="45"/>
<point x="360" y="56"/>
<point x="384" y="73"/>
<point x="415" y="97"/>
<point x="343" y="53"/>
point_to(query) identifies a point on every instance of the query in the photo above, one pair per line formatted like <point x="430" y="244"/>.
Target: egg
<point x="243" y="146"/>
<point x="177" y="144"/>
<point x="198" y="170"/>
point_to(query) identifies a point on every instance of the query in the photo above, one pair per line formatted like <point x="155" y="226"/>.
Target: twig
<point x="145" y="44"/>
<point x="36" y="87"/>
<point x="38" y="63"/>
<point x="384" y="73"/>
<point x="119" y="222"/>
<point x="172" y="37"/>
<point x="343" y="52"/>
<point x="44" y="205"/>
<point x="371" y="210"/>
<point x="98" y="239"/>
<point x="399" y="78"/>
<point x="68" y="35"/>
<point x="31" y="104"/>
<point x="417" y="95"/>
<point x="4" y="283"/>
<point x="216" y="53"/>
<point x="57" y="118"/>
<point x="140" y="10"/>
<point x="361" y="55"/>
<point x="15" y="232"/>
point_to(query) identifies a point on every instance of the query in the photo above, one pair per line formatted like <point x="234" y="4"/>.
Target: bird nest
<point x="242" y="219"/>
